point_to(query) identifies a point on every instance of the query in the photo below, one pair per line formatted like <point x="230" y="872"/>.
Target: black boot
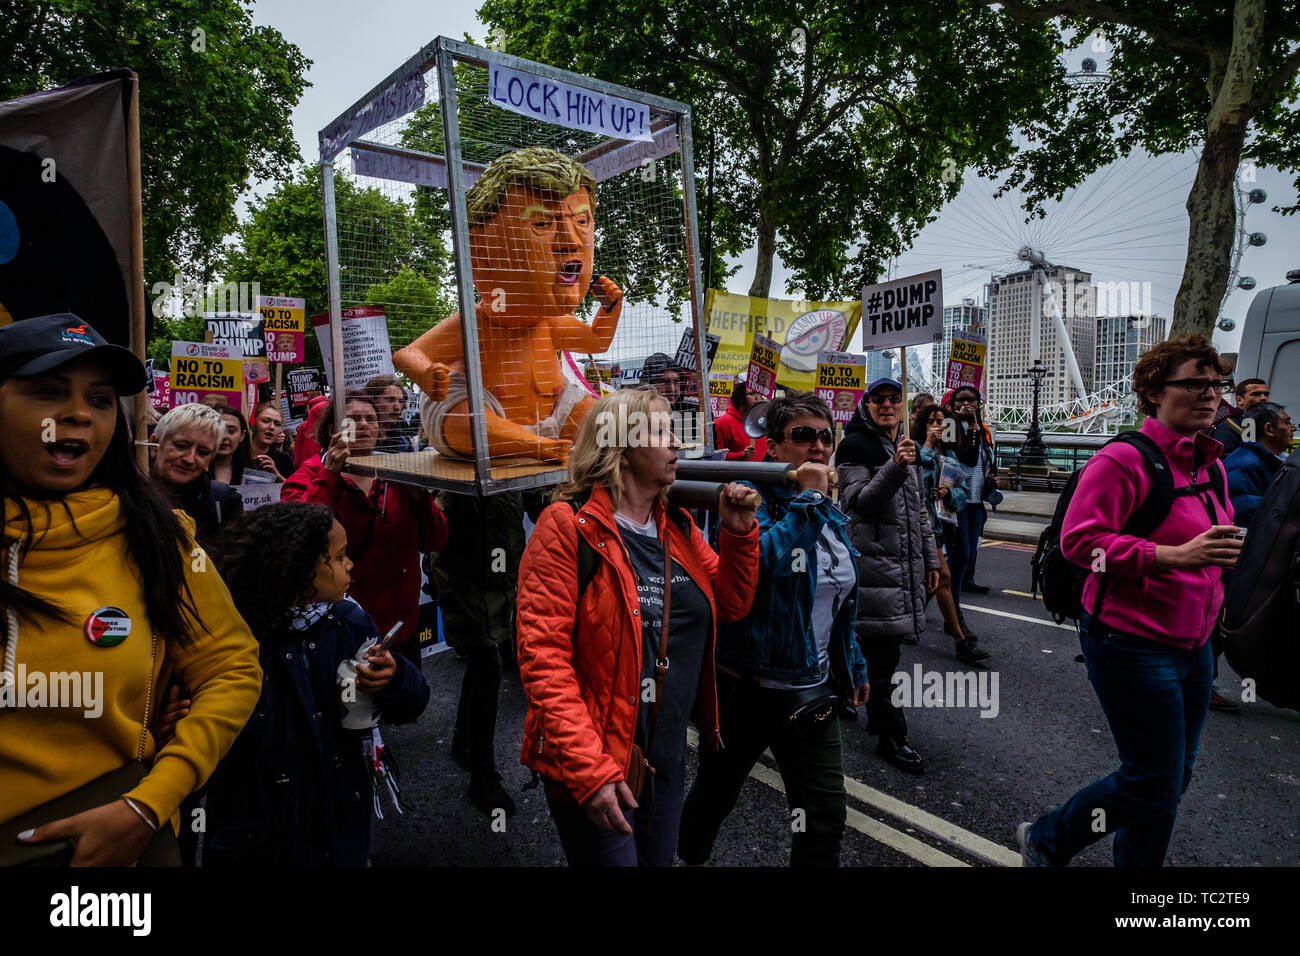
<point x="965" y="628"/>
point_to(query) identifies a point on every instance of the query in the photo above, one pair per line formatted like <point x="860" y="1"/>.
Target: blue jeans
<point x="1155" y="697"/>
<point x="964" y="541"/>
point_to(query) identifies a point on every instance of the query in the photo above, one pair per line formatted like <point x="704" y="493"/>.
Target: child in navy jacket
<point x="295" y="789"/>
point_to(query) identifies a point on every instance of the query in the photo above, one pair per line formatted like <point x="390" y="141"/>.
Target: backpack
<point x="1261" y="623"/>
<point x="1060" y="579"/>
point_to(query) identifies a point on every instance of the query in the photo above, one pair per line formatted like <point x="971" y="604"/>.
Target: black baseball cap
<point x="42" y="344"/>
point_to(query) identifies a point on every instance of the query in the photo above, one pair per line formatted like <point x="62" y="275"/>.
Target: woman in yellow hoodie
<point x="103" y="594"/>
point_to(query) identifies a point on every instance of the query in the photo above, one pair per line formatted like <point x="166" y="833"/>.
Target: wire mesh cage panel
<point x="508" y="268"/>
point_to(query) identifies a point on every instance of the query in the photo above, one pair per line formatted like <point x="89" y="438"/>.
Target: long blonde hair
<point x="594" y="459"/>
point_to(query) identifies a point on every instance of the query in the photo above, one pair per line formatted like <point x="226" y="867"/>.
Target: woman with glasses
<point x="928" y="428"/>
<point x="783" y="671"/>
<point x="974" y="450"/>
<point x="1150" y="606"/>
<point x="609" y="687"/>
<point x="898" y="563"/>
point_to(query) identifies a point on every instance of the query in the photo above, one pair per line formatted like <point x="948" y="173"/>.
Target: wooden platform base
<point x="430" y="464"/>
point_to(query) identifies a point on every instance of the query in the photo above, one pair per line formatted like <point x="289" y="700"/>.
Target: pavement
<point x="1021" y="517"/>
<point x="1046" y="739"/>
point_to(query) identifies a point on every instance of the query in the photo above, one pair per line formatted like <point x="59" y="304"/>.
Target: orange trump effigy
<point x="532" y="238"/>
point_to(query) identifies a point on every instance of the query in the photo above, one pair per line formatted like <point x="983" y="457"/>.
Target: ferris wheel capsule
<point x="1246" y="282"/>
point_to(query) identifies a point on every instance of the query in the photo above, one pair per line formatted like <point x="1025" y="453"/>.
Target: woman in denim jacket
<point x="783" y="671"/>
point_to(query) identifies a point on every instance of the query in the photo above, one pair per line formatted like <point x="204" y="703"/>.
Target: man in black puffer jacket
<point x="898" y="563"/>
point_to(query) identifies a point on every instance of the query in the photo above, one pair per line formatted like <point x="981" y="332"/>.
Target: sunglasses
<point x="805" y="434"/>
<point x="891" y="398"/>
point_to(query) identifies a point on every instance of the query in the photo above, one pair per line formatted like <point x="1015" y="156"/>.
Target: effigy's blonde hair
<point x="535" y="167"/>
<point x="594" y="462"/>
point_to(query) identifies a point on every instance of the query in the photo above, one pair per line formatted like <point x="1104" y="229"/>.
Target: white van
<point x="1270" y="342"/>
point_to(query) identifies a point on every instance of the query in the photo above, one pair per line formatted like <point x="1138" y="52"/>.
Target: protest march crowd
<point x="250" y="660"/>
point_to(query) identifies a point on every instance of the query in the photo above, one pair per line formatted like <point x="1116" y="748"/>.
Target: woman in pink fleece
<point x="1146" y="642"/>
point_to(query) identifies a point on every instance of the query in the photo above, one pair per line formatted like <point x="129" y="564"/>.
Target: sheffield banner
<point x="802" y="330"/>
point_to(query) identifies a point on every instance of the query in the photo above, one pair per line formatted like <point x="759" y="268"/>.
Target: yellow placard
<point x="801" y="329"/>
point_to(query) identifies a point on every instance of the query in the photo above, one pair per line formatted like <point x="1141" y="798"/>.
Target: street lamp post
<point x="1033" y="446"/>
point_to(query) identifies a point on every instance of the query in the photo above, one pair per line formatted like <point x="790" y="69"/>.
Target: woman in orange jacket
<point x="603" y="707"/>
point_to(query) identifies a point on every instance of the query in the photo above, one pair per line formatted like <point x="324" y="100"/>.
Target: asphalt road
<point x="985" y="774"/>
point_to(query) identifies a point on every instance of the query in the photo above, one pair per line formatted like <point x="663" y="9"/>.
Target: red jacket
<point x="406" y="519"/>
<point x="304" y="439"/>
<point x="729" y="433"/>
<point x="580" y="662"/>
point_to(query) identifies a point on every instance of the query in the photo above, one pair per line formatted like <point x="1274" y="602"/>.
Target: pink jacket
<point x="1173" y="607"/>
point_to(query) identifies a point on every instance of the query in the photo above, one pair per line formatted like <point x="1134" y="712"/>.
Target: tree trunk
<point x="766" y="247"/>
<point x="1211" y="207"/>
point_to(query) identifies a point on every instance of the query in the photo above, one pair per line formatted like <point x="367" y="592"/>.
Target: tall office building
<point x="1121" y="340"/>
<point x="1009" y="314"/>
<point x="878" y="365"/>
<point x="967" y="317"/>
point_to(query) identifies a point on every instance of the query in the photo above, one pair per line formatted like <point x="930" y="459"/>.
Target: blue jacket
<point x="294" y="789"/>
<point x="1250" y="471"/>
<point x="776" y="641"/>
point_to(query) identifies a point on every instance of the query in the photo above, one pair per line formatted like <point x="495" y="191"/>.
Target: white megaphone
<point x="756" y="420"/>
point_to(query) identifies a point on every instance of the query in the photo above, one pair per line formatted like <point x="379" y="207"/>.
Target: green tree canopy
<point x="1184" y="74"/>
<point x="841" y="128"/>
<point x="281" y="246"/>
<point x="216" y="94"/>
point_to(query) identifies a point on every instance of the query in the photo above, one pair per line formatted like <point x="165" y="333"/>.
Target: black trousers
<point x="753" y="719"/>
<point x="882" y="653"/>
<point x="476" y="713"/>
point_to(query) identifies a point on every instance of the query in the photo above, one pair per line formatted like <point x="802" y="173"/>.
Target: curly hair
<point x="1158" y="363"/>
<point x="535" y="167"/>
<point x="268" y="559"/>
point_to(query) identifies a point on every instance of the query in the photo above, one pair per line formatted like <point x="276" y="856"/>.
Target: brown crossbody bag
<point x="639" y="765"/>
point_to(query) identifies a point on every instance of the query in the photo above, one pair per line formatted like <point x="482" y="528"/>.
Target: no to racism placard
<point x="284" y="320"/>
<point x="841" y="380"/>
<point x="763" y="359"/>
<point x="903" y="311"/>
<point x="200" y="369"/>
<point x="966" y="361"/>
<point x="563" y="104"/>
<point x="720" y="387"/>
<point x="366" y="352"/>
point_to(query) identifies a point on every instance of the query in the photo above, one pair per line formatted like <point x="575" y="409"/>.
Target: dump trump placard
<point x="903" y="312"/>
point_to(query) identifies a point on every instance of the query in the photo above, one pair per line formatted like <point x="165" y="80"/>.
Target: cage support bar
<point x="464" y="267"/>
<point x="335" y="291"/>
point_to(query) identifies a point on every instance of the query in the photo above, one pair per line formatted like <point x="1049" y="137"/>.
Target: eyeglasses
<point x="805" y="435"/>
<point x="891" y="398"/>
<point x="1198" y="386"/>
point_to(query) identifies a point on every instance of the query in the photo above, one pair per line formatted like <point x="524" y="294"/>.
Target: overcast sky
<point x="1125" y="224"/>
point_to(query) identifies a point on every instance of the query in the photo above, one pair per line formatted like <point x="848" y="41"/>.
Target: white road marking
<point x="922" y="820"/>
<point x="873" y="829"/>
<point x="1017" y="617"/>
<point x="972" y="843"/>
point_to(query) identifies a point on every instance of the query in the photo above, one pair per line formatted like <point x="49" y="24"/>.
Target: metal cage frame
<point x="442" y="54"/>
